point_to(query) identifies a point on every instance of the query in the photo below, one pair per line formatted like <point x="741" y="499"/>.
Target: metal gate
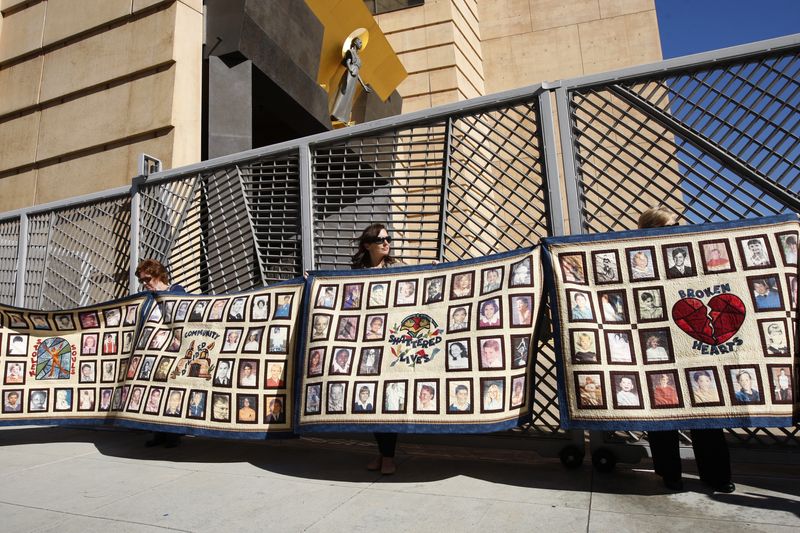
<point x="714" y="137"/>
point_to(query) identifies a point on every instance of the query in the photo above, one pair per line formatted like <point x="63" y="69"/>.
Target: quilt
<point x="426" y="349"/>
<point x="678" y="327"/>
<point x="205" y="365"/>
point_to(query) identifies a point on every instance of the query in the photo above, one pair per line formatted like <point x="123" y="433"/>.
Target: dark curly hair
<point x="361" y="258"/>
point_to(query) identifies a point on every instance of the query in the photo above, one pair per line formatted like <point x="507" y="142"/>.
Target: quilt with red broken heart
<point x="681" y="327"/>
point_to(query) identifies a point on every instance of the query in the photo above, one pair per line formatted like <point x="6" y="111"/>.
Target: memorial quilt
<point x="426" y="349"/>
<point x="677" y="328"/>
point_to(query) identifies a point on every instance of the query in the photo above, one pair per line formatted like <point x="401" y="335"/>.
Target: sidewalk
<point x="84" y="480"/>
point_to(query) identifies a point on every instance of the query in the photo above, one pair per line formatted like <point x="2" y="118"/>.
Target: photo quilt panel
<point x="677" y="327"/>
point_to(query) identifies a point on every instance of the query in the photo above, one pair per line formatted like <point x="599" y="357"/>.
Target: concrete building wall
<point x="459" y="49"/>
<point x="439" y="44"/>
<point x="87" y="86"/>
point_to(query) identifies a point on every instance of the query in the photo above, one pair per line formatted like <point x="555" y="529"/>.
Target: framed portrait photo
<point x="326" y="297"/>
<point x="642" y="263"/>
<point x="370" y="361"/>
<point x="39" y="321"/>
<point x="614" y="306"/>
<point x="426" y="397"/>
<point x="774" y="337"/>
<point x="521" y="273"/>
<point x="788" y="247"/>
<point x="152" y="404"/>
<point x="220" y="407"/>
<point x="584" y="346"/>
<point x="378" y="295"/>
<point x="664" y="389"/>
<point x="283" y="306"/>
<point x="589" y="390"/>
<point x="64" y="322"/>
<point x="650" y="304"/>
<point x="462" y="285"/>
<point x="395" y="396"/>
<point x="491" y="279"/>
<point x="755" y="252"/>
<point x="745" y="384"/>
<point x="14" y="373"/>
<point x="781" y="383"/>
<point x="433" y="290"/>
<point x="493" y="393"/>
<point x="704" y="386"/>
<point x="458" y="317"/>
<point x="316" y="361"/>
<point x="573" y="268"/>
<point x="312" y="404"/>
<point x="766" y="293"/>
<point x="460" y="399"/>
<point x="364" y="397"/>
<point x="717" y="256"/>
<point x="259" y="308"/>
<point x="627" y="392"/>
<point x="606" y="267"/>
<point x="458" y="355"/>
<point x="406" y="294"/>
<point x="679" y="260"/>
<point x="656" y="346"/>
<point x="352" y="296"/>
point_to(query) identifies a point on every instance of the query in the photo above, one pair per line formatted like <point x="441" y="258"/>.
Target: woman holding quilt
<point x="710" y="447"/>
<point x="374" y="245"/>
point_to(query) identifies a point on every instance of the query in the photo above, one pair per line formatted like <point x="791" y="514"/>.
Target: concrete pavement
<point x="85" y="480"/>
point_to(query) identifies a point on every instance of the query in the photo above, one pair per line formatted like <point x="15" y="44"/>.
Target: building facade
<point x="84" y="91"/>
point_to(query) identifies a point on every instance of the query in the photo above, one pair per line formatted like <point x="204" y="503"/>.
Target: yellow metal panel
<point x="381" y="68"/>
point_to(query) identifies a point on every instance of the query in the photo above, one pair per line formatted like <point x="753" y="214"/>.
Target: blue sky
<point x="692" y="26"/>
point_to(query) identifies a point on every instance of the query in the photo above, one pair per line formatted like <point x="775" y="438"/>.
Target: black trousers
<point x="710" y="451"/>
<point x="387" y="442"/>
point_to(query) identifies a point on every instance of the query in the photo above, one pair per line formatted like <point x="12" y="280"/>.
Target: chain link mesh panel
<point x="78" y="256"/>
<point x="9" y="250"/>
<point x="712" y="143"/>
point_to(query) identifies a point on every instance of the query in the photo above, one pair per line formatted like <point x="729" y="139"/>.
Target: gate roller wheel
<point x="604" y="460"/>
<point x="571" y="456"/>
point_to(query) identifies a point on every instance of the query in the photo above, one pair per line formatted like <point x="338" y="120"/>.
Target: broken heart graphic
<point x="712" y="324"/>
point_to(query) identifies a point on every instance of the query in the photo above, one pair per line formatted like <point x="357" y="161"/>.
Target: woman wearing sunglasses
<point x="374" y="252"/>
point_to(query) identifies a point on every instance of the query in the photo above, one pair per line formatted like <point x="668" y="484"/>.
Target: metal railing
<point x="714" y="137"/>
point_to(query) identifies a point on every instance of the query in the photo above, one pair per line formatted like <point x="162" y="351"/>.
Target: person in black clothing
<point x="710" y="447"/>
<point x="374" y="252"/>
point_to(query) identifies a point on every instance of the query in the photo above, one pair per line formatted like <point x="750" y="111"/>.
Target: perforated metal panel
<point x="272" y="195"/>
<point x="714" y="144"/>
<point x="9" y="249"/>
<point x="496" y="197"/>
<point x="395" y="177"/>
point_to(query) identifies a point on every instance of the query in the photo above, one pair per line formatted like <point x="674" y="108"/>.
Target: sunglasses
<point x="380" y="240"/>
<point x="144" y="280"/>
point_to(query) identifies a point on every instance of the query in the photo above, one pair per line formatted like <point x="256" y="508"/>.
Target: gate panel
<point x="9" y="249"/>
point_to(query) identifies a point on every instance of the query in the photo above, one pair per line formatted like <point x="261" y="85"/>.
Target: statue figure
<point x="343" y="104"/>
